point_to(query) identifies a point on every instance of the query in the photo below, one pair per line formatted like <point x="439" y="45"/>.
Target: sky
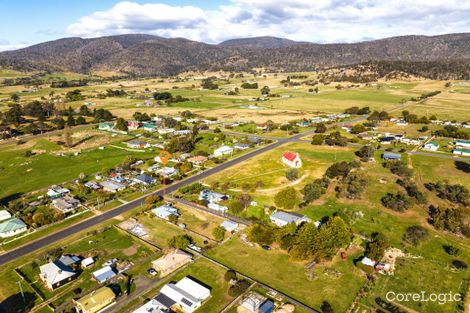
<point x="27" y="22"/>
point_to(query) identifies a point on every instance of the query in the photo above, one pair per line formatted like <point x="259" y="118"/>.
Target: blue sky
<point x="26" y="22"/>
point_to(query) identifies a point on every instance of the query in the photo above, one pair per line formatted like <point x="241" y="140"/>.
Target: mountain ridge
<point x="143" y="55"/>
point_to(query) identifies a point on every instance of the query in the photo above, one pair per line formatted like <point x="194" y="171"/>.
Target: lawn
<point x="45" y="169"/>
<point x="434" y="169"/>
<point x="337" y="283"/>
<point x="269" y="173"/>
<point x="199" y="221"/>
<point x="416" y="276"/>
<point x="161" y="231"/>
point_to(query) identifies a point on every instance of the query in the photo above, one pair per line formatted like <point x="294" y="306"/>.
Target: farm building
<point x="291" y="159"/>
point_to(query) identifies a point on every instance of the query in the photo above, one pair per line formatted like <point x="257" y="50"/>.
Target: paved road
<point x="95" y="220"/>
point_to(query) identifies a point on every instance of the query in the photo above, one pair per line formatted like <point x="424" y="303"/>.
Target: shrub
<point x="415" y="234"/>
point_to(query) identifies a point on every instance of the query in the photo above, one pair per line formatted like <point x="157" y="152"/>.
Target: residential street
<point x="95" y="220"/>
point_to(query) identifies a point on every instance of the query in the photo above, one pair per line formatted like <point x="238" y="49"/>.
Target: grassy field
<point x="337" y="283"/>
<point x="271" y="172"/>
<point x="47" y="167"/>
<point x="161" y="231"/>
<point x="434" y="169"/>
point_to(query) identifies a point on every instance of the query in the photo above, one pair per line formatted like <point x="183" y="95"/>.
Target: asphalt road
<point x="95" y="220"/>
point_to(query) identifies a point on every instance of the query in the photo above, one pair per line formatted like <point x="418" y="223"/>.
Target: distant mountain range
<point x="143" y="55"/>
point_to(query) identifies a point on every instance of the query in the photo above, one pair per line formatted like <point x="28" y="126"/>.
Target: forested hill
<point x="444" y="56"/>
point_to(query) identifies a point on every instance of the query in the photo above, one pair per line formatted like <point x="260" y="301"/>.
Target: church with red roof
<point x="291" y="159"/>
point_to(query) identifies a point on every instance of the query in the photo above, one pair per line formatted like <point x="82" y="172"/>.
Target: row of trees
<point x="305" y="241"/>
<point x="332" y="139"/>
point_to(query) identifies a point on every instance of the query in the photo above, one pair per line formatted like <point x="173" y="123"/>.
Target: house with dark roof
<point x="144" y="179"/>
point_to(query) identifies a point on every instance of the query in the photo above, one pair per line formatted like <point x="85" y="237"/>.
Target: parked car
<point x="152" y="272"/>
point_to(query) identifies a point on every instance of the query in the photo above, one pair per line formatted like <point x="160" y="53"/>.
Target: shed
<point x="267" y="307"/>
<point x="88" y="262"/>
<point x="229" y="225"/>
<point x="391" y="156"/>
<point x="103" y="274"/>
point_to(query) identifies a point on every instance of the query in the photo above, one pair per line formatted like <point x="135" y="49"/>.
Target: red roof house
<point x="291" y="159"/>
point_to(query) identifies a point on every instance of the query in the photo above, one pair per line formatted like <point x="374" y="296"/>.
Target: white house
<point x="461" y="151"/>
<point x="112" y="186"/>
<point x="87" y="262"/>
<point x="167" y="171"/>
<point x="223" y="150"/>
<point x="229" y="226"/>
<point x="187" y="293"/>
<point x="291" y="159"/>
<point x="4" y="215"/>
<point x="283" y="218"/>
<point x="211" y="196"/>
<point x="152" y="306"/>
<point x="165" y="211"/>
<point x="463" y="144"/>
<point x="56" y="274"/>
<point x="12" y="227"/>
<point x="431" y="146"/>
<point x="217" y="207"/>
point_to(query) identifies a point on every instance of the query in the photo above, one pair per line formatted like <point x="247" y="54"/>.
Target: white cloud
<point x="316" y="21"/>
<point x="5" y="45"/>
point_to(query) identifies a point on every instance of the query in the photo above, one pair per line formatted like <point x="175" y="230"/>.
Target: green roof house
<point x="12" y="227"/>
<point x="105" y="126"/>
